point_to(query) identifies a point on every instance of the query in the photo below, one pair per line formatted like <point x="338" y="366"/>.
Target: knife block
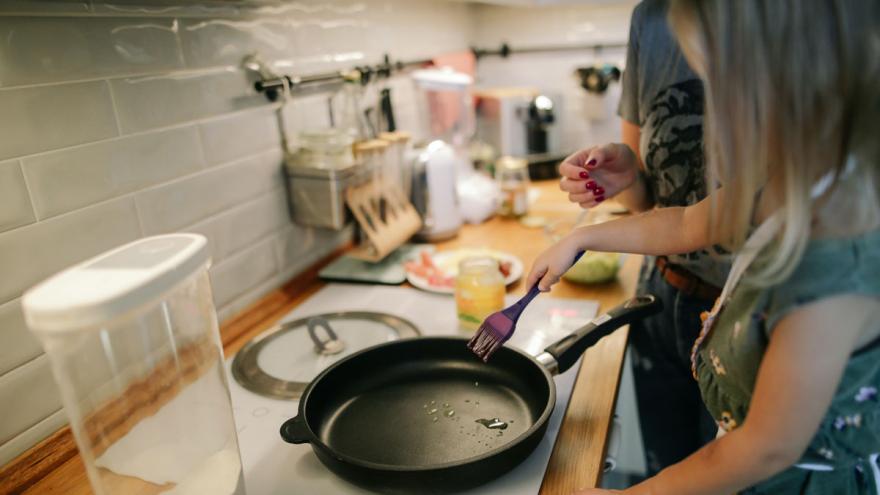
<point x="384" y="213"/>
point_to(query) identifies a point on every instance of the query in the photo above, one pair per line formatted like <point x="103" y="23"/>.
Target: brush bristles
<point x="491" y="335"/>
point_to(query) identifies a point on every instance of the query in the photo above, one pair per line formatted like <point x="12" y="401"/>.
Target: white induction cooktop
<point x="272" y="466"/>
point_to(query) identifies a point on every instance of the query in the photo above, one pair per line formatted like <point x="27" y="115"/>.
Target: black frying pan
<point x="370" y="417"/>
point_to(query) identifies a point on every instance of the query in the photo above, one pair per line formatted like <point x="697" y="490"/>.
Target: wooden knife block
<point x="381" y="235"/>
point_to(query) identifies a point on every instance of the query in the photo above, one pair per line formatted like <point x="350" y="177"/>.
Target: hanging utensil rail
<point x="273" y="86"/>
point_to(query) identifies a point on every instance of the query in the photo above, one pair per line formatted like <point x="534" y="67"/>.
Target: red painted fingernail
<point x="584" y="175"/>
<point x="591" y="184"/>
<point x="599" y="191"/>
<point x="599" y="199"/>
<point x="592" y="162"/>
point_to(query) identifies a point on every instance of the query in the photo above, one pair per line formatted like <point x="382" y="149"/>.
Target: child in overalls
<point x="788" y="360"/>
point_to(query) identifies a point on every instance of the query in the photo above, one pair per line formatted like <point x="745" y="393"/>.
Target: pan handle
<point x="561" y="355"/>
<point x="294" y="430"/>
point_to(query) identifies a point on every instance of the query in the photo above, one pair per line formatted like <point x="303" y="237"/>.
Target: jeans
<point x="673" y="419"/>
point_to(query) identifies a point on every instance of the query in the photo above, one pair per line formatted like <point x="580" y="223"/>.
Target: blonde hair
<point x="792" y="94"/>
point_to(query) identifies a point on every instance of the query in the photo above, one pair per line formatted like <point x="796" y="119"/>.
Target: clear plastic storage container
<point x="135" y="349"/>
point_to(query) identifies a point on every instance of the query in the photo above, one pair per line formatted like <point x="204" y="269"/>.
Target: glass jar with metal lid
<point x="512" y="175"/>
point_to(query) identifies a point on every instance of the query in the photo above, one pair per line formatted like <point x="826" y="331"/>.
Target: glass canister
<point x="479" y="291"/>
<point x="325" y="149"/>
<point x="512" y="175"/>
<point x="134" y="346"/>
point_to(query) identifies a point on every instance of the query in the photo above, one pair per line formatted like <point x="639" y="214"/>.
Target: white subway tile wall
<point x="121" y="119"/>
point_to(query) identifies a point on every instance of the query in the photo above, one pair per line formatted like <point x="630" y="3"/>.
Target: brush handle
<point x="514" y="311"/>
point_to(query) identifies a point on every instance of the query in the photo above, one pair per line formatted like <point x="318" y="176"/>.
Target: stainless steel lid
<point x="281" y="363"/>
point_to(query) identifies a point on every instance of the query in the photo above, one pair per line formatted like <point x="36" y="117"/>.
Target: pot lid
<point x="281" y="363"/>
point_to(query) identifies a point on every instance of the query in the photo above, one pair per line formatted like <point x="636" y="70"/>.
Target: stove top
<point x="272" y="466"/>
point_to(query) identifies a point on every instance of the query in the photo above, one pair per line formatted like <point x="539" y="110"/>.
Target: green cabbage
<point x="594" y="268"/>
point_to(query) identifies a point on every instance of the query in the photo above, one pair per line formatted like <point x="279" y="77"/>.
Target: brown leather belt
<point x="685" y="281"/>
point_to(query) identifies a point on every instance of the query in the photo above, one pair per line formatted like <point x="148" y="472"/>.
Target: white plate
<point x="448" y="261"/>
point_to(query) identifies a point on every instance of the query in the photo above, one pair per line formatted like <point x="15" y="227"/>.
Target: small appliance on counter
<point x="517" y="121"/>
<point x="434" y="192"/>
<point x="540" y="117"/>
<point x="439" y="164"/>
<point x="499" y="121"/>
<point x="133" y="342"/>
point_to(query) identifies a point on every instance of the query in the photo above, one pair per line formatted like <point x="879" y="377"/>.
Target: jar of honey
<point x="479" y="291"/>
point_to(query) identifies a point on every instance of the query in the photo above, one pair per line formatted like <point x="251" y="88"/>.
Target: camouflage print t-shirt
<point x="665" y="98"/>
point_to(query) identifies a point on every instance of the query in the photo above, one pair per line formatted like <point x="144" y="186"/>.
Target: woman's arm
<point x="799" y="374"/>
<point x="637" y="197"/>
<point x="658" y="232"/>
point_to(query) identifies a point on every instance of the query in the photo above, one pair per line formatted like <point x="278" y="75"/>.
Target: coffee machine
<point x="517" y="121"/>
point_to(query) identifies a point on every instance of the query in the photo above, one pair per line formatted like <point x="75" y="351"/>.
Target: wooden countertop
<point x="579" y="452"/>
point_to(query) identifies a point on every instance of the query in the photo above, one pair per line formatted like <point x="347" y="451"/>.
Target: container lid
<point x="110" y="285"/>
<point x="283" y="361"/>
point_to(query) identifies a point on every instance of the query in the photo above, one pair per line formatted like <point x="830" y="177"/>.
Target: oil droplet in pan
<point x="450" y="413"/>
<point x="432" y="410"/>
<point x="492" y="424"/>
<point x="435" y="419"/>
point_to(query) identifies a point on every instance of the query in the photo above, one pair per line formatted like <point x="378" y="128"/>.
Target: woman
<point x="788" y="361"/>
<point x="659" y="164"/>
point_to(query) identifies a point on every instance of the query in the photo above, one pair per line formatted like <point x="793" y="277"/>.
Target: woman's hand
<point x="553" y="262"/>
<point x="597" y="173"/>
<point x="596" y="491"/>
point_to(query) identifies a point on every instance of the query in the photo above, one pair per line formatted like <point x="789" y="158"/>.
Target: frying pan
<point x="418" y="415"/>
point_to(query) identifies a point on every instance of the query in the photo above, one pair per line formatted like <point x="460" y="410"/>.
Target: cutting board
<point x="389" y="271"/>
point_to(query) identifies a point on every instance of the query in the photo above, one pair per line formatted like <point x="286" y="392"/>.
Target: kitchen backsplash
<point x="120" y="120"/>
<point x="123" y="120"/>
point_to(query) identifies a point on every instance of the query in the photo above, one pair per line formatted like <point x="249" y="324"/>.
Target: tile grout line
<point x="131" y="194"/>
<point x="137" y="214"/>
<point x="115" y="108"/>
<point x="29" y="362"/>
<point x="234" y="209"/>
<point x="156" y="130"/>
<point x="200" y="144"/>
<point x="257" y="243"/>
<point x="167" y="72"/>
<point x="27" y="187"/>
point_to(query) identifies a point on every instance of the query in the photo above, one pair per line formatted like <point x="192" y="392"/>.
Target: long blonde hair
<point x="792" y="94"/>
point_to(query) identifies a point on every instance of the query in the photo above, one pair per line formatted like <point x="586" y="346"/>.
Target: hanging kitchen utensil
<point x="387" y="110"/>
<point x="425" y="416"/>
<point x="596" y="79"/>
<point x="306" y="345"/>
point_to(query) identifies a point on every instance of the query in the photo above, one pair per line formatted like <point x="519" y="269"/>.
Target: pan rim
<point x="539" y="423"/>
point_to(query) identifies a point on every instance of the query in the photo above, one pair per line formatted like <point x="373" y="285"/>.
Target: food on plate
<point x="594" y="268"/>
<point x="440" y="269"/>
